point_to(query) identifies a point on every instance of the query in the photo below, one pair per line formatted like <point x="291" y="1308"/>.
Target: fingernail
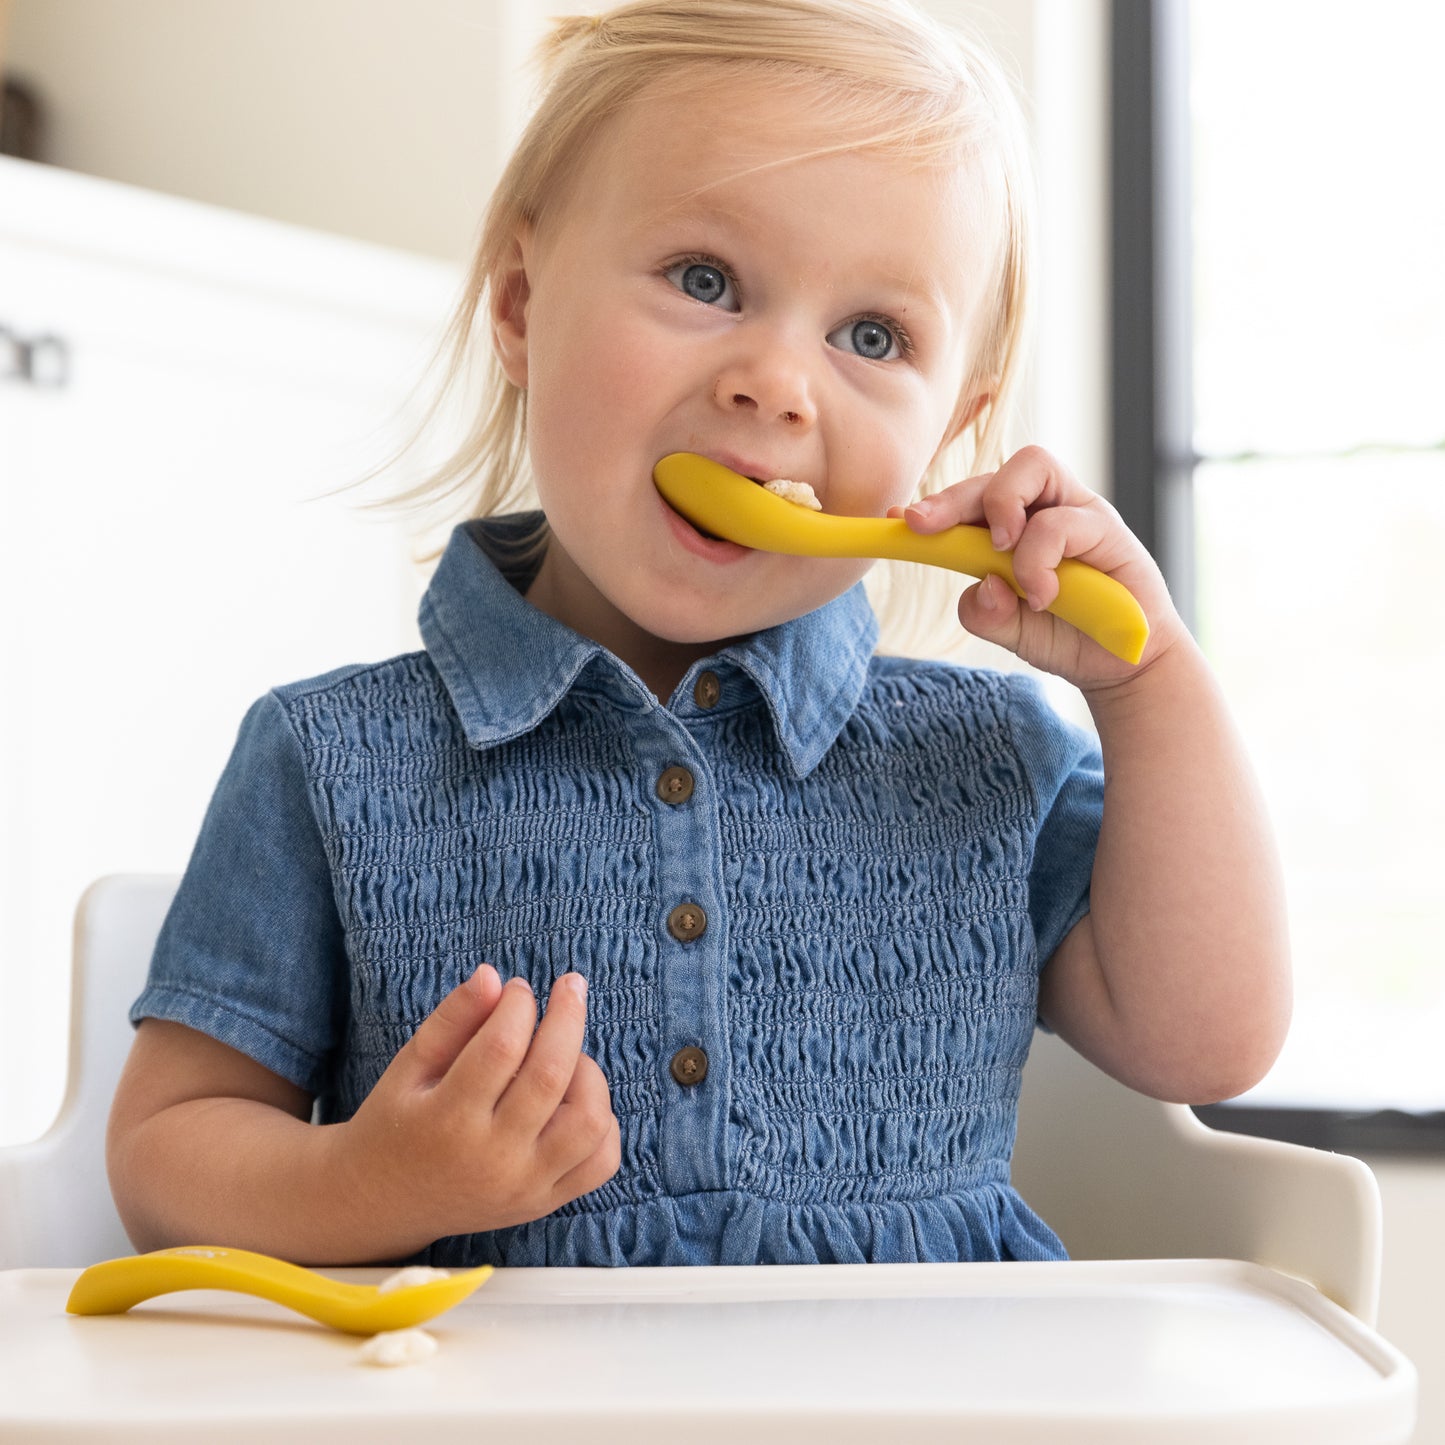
<point x="1035" y="601"/>
<point x="922" y="508"/>
<point x="987" y="597"/>
<point x="517" y="981"/>
<point x="578" y="985"/>
<point x="1000" y="539"/>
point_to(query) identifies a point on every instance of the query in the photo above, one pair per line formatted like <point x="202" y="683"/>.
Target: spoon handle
<point x="728" y="505"/>
<point x="113" y="1286"/>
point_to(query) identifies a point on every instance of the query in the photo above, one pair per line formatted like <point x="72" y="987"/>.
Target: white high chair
<point x="55" y="1204"/>
<point x="1117" y="1175"/>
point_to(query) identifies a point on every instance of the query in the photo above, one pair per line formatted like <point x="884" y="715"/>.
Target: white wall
<point x="177" y="533"/>
<point x="385" y="121"/>
<point x="373" y="118"/>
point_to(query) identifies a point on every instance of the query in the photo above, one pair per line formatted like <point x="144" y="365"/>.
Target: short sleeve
<point x="1065" y="769"/>
<point x="252" y="952"/>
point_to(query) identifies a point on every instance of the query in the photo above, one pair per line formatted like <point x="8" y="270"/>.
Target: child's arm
<point x="477" y="1123"/>
<point x="1177" y="981"/>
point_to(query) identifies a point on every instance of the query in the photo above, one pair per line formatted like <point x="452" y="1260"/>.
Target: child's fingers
<point x="960" y="503"/>
<point x="1049" y="537"/>
<point x="1003" y="501"/>
<point x="544" y="1076"/>
<point x="447" y="1030"/>
<point x="583" y="1126"/>
<point x="595" y="1168"/>
<point x="992" y="611"/>
<point x="486" y="1067"/>
<point x="1029" y="482"/>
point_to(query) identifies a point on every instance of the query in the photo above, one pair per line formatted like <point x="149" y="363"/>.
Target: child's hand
<point x="480" y="1122"/>
<point x="1036" y="507"/>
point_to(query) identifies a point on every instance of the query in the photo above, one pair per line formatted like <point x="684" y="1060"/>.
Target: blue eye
<point x="868" y="338"/>
<point x="705" y="282"/>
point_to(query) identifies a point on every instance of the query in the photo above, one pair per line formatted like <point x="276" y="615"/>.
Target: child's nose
<point x="771" y="382"/>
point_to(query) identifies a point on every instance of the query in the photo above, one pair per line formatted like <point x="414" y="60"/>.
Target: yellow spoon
<point x="720" y="501"/>
<point x="114" y="1286"/>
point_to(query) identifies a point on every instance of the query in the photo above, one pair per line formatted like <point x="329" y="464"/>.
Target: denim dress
<point x="811" y="893"/>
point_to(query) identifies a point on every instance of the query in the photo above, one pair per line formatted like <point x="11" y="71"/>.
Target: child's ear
<point x="509" y="293"/>
<point x="968" y="412"/>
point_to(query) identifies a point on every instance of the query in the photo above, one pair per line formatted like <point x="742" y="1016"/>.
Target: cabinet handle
<point x="36" y="360"/>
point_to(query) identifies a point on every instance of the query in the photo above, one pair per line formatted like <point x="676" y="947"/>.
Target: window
<point x="1279" y="421"/>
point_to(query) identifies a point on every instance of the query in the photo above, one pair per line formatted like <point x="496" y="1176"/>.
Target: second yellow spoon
<point x="731" y="506"/>
<point x="114" y="1286"/>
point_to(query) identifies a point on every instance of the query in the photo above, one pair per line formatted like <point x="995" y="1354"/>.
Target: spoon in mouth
<point x="112" y="1287"/>
<point x="718" y="500"/>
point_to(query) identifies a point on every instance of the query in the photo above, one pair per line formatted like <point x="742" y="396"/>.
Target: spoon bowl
<point x="728" y="505"/>
<point x="113" y="1286"/>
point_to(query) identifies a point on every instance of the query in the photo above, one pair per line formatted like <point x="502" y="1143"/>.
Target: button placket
<point x="691" y="1025"/>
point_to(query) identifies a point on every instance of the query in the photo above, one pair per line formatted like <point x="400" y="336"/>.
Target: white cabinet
<point x="168" y="547"/>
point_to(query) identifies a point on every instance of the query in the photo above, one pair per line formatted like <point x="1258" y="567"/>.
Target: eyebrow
<point x="905" y="291"/>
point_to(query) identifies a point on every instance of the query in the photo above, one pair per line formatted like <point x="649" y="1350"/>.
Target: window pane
<point x="1319" y="603"/>
<point x="1319" y="224"/>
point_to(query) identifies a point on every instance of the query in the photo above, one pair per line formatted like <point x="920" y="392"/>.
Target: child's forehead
<point x="756" y="118"/>
<point x="754" y="108"/>
<point x="704" y="138"/>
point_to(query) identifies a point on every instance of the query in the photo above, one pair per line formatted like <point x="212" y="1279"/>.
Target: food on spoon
<point x="412" y="1274"/>
<point x="799" y="493"/>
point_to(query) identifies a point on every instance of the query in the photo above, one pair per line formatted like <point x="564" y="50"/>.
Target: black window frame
<point x="1151" y="422"/>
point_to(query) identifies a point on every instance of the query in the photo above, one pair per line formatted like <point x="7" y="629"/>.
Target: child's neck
<point x="663" y="675"/>
<point x="660" y="663"/>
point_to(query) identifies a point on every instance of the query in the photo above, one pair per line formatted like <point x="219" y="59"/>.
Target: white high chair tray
<point x="1183" y="1351"/>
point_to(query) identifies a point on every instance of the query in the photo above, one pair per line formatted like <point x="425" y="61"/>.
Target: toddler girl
<point x="793" y="908"/>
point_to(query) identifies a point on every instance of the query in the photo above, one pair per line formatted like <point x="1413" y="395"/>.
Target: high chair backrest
<point x="1122" y="1176"/>
<point x="55" y="1203"/>
<point x="1118" y="1175"/>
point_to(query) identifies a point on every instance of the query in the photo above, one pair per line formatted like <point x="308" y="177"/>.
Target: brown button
<point x="675" y="786"/>
<point x="689" y="1066"/>
<point x="707" y="689"/>
<point x="686" y="922"/>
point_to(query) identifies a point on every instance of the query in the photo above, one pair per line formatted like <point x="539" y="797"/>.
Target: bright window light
<point x="1319" y="503"/>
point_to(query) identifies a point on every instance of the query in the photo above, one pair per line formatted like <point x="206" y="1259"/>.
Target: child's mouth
<point x="709" y="504"/>
<point x="713" y="536"/>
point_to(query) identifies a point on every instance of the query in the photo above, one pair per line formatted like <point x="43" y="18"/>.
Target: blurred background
<point x="229" y="239"/>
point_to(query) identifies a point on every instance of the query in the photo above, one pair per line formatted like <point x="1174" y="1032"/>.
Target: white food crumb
<point x="799" y="493"/>
<point x="399" y="1347"/>
<point x="412" y="1274"/>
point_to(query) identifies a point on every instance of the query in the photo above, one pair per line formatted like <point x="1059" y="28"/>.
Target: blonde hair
<point x="899" y="82"/>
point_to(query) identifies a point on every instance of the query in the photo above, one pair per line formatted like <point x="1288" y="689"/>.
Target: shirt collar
<point x="506" y="665"/>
